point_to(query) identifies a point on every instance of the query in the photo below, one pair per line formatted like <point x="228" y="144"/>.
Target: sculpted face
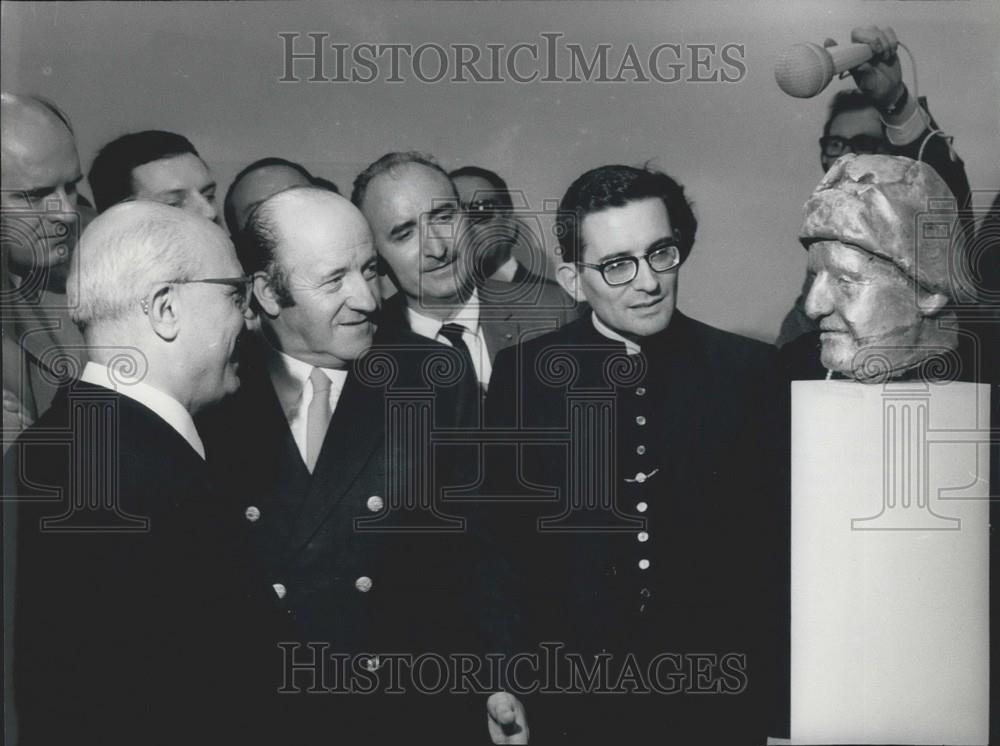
<point x="182" y="181"/>
<point x="864" y="305"/>
<point x="413" y="213"/>
<point x="38" y="205"/>
<point x="260" y="184"/>
<point x="331" y="271"/>
<point x="645" y="305"/>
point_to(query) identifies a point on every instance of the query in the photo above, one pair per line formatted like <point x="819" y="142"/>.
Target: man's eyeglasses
<point x="479" y="210"/>
<point x="622" y="270"/>
<point x="243" y="285"/>
<point x="834" y="146"/>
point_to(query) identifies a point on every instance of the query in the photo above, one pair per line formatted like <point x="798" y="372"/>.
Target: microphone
<point x="806" y="69"/>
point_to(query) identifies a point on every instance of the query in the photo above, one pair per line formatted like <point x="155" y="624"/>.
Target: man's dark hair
<point x="229" y="213"/>
<point x="615" y="186"/>
<point x="110" y="176"/>
<point x="501" y="193"/>
<point x="319" y="181"/>
<point x="849" y="99"/>
<point x="388" y="162"/>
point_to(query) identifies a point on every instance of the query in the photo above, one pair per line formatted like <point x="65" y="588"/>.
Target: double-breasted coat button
<point x="643" y="537"/>
<point x="375" y="503"/>
<point x="363" y="584"/>
<point x="640" y="420"/>
<point x="252" y="513"/>
<point x="644" y="564"/>
<point x="641" y="507"/>
<point x="279" y="590"/>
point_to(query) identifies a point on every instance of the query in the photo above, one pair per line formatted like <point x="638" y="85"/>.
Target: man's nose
<point x="645" y="279"/>
<point x="439" y="240"/>
<point x="819" y="299"/>
<point x="204" y="207"/>
<point x="362" y="296"/>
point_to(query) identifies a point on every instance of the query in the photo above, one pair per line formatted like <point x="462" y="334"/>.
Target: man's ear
<point x="931" y="304"/>
<point x="265" y="295"/>
<point x="163" y="310"/>
<point x="568" y="277"/>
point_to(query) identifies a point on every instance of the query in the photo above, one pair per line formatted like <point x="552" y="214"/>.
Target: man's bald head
<point x="284" y="219"/>
<point x="39" y="171"/>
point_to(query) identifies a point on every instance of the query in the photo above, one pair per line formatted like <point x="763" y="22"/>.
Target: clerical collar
<point x="162" y="404"/>
<point x="427" y="326"/>
<point x="631" y="348"/>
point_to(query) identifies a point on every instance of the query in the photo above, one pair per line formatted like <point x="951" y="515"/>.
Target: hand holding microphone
<point x="806" y="69"/>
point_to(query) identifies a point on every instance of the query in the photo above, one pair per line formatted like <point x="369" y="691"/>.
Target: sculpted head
<point x="881" y="265"/>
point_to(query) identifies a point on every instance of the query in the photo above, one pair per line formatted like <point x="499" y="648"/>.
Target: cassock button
<point x="375" y="503"/>
<point x="641" y="507"/>
<point x="279" y="590"/>
<point x="640" y="420"/>
<point x="640" y="477"/>
<point x="643" y="536"/>
<point x="252" y="513"/>
<point x="644" y="564"/>
<point x="363" y="584"/>
<point x="641" y="450"/>
<point x="641" y="391"/>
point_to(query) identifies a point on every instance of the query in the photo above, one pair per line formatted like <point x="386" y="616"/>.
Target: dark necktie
<point x="469" y="387"/>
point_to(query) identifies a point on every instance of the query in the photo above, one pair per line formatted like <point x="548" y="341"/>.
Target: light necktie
<point x="317" y="416"/>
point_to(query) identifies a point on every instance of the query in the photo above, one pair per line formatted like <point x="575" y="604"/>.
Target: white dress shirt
<point x="166" y="407"/>
<point x="290" y="377"/>
<point x="475" y="340"/>
<point x="631" y="348"/>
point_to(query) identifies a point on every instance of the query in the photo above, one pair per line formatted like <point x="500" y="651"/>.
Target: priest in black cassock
<point x="658" y="554"/>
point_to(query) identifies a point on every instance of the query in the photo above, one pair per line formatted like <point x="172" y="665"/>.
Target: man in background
<point x="494" y="228"/>
<point x="260" y="180"/>
<point x="414" y="212"/>
<point x="153" y="165"/>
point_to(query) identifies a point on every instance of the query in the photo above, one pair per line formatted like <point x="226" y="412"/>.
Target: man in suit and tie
<point x="659" y="557"/>
<point x="137" y="620"/>
<point x="328" y="443"/>
<point x="415" y="217"/>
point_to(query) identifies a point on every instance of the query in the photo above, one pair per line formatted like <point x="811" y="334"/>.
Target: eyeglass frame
<point x="850" y="142"/>
<point x="245" y="280"/>
<point x="634" y="261"/>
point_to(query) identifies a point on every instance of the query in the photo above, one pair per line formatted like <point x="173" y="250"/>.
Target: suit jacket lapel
<point x="355" y="432"/>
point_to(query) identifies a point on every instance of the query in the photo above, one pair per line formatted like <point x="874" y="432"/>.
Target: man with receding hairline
<point x="137" y="620"/>
<point x="41" y="218"/>
<point x="322" y="460"/>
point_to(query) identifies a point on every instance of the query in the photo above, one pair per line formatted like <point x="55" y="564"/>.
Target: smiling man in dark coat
<point x="137" y="620"/>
